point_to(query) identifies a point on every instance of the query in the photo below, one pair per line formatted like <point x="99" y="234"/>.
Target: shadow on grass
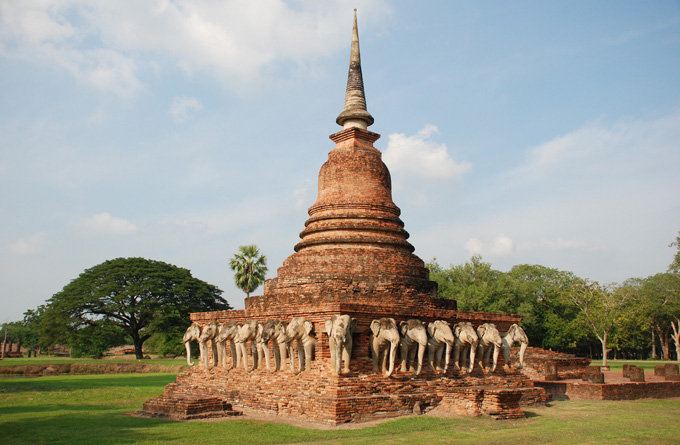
<point x="84" y="427"/>
<point x="69" y="383"/>
<point x="23" y="409"/>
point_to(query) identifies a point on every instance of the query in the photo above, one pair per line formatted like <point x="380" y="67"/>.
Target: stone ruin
<point x="354" y="259"/>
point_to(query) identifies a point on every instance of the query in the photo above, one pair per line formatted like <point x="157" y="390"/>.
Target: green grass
<point x="90" y="409"/>
<point x="618" y="364"/>
<point x="64" y="360"/>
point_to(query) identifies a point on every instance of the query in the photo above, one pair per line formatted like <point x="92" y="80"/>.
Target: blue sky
<point x="528" y="132"/>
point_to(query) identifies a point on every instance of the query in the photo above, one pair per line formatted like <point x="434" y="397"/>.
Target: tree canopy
<point x="136" y="296"/>
<point x="249" y="268"/>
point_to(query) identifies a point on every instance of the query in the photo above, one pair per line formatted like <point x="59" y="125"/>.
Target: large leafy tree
<point x="249" y="268"/>
<point x="139" y="296"/>
<point x="601" y="308"/>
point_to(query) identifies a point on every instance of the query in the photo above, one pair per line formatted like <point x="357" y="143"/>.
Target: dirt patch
<point x="86" y="368"/>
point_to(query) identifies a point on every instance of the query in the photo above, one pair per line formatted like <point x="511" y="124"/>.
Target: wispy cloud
<point x="604" y="149"/>
<point x="110" y="44"/>
<point x="108" y="224"/>
<point x="28" y="246"/>
<point x="182" y="106"/>
<point x="499" y="247"/>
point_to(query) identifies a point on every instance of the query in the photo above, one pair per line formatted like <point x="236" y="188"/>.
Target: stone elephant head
<point x="489" y="338"/>
<point x="441" y="339"/>
<point x="515" y="334"/>
<point x="265" y="332"/>
<point x="227" y="333"/>
<point x="207" y="338"/>
<point x="193" y="333"/>
<point x="340" y="329"/>
<point x="385" y="336"/>
<point x="275" y="331"/>
<point x="247" y="332"/>
<point x="300" y="330"/>
<point x="466" y="337"/>
<point x="413" y="339"/>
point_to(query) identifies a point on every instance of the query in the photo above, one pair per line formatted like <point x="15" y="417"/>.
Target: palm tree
<point x="249" y="268"/>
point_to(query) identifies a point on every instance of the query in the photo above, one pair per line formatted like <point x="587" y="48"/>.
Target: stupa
<point x="353" y="258"/>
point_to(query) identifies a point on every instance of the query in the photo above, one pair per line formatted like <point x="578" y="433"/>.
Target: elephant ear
<point x="309" y="327"/>
<point x="403" y="327"/>
<point x="260" y="328"/>
<point x="481" y="330"/>
<point x="431" y="328"/>
<point x="329" y="325"/>
<point x="375" y="327"/>
<point x="457" y="329"/>
<point x="352" y="325"/>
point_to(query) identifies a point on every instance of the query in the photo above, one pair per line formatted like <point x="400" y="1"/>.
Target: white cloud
<point x="106" y="223"/>
<point x="419" y="156"/>
<point x="603" y="150"/>
<point x="501" y="246"/>
<point x="182" y="106"/>
<point x="28" y="246"/>
<point x="110" y="44"/>
<point x="474" y="246"/>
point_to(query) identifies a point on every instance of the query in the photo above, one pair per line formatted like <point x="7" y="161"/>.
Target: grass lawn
<point x="89" y="409"/>
<point x="64" y="360"/>
<point x="646" y="364"/>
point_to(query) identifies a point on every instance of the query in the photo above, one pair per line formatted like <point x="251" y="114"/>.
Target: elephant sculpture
<point x="413" y="338"/>
<point x="489" y="338"/>
<point x="193" y="333"/>
<point x="207" y="338"/>
<point x="276" y="330"/>
<point x="265" y="332"/>
<point x="514" y="334"/>
<point x="247" y="332"/>
<point x="385" y="336"/>
<point x="227" y="332"/>
<point x="466" y="337"/>
<point x="300" y="330"/>
<point x="441" y="338"/>
<point x="340" y="329"/>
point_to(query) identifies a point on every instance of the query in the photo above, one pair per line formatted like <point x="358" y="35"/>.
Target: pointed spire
<point x="355" y="113"/>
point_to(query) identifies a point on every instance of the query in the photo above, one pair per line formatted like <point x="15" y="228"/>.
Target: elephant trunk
<point x="448" y="356"/>
<point x="264" y="350"/>
<point x="393" y="350"/>
<point x="234" y="355"/>
<point x="187" y="346"/>
<point x="496" y="351"/>
<point x="421" y="354"/>
<point x="339" y="346"/>
<point x="522" y="349"/>
<point x="346" y="351"/>
<point x="473" y="350"/>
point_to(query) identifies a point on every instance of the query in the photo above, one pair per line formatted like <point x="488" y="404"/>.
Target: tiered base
<point x="319" y="396"/>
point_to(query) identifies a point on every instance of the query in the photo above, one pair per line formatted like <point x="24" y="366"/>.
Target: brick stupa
<point x="354" y="247"/>
<point x="353" y="258"/>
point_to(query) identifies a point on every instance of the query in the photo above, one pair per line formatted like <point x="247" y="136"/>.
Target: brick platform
<point x="536" y="361"/>
<point x="318" y="396"/>
<point x="616" y="387"/>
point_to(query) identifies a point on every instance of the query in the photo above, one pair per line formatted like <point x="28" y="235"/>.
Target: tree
<point x="676" y="338"/>
<point x="659" y="300"/>
<point x="249" y="268"/>
<point x="137" y="295"/>
<point x="600" y="308"/>
<point x="674" y="267"/>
